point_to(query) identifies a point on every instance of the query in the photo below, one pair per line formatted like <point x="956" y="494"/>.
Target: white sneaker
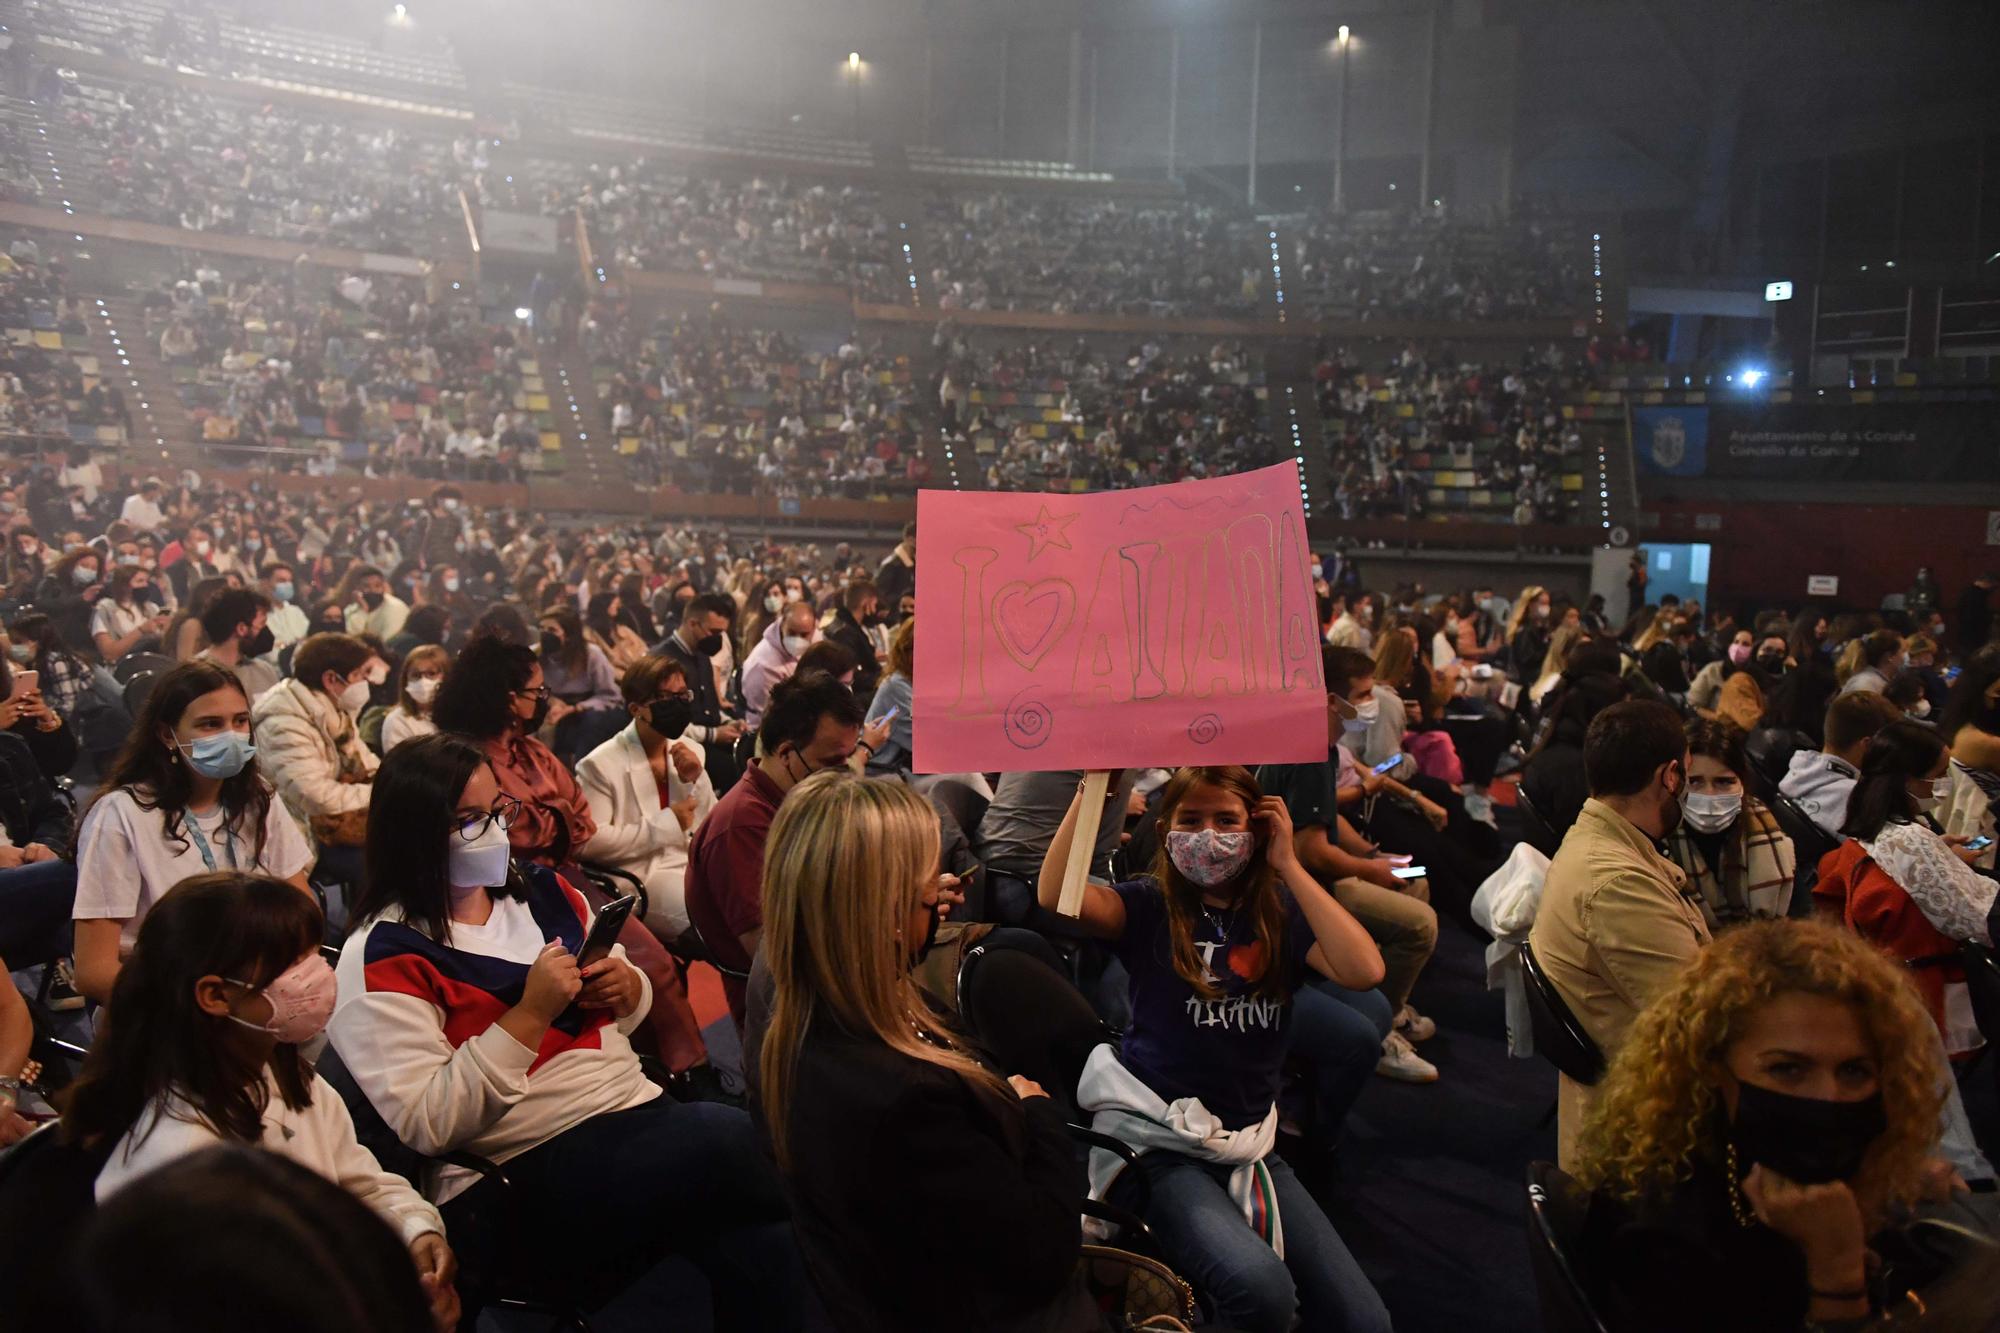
<point x="1479" y="807"/>
<point x="1414" y="1026"/>
<point x="1401" y="1062"/>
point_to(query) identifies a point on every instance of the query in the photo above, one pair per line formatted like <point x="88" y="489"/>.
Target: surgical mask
<point x="260" y="643"/>
<point x="551" y="643"/>
<point x="1710" y="813"/>
<point x="1807" y="1140"/>
<point x="201" y="548"/>
<point x="796" y="644"/>
<point x="282" y="592"/>
<point x="23" y="653"/>
<point x="1365" y="714"/>
<point x="301" y="999"/>
<point x="1739" y="653"/>
<point x="252" y="544"/>
<point x="481" y="863"/>
<point x="222" y="755"/>
<point x="451" y="584"/>
<point x="1940" y="793"/>
<point x="1920" y="709"/>
<point x="372" y="599"/>
<point x="85" y="575"/>
<point x="774" y="604"/>
<point x="1319" y="571"/>
<point x="1773" y="663"/>
<point x="450" y="505"/>
<point x="1209" y="857"/>
<point x="128" y="557"/>
<point x="708" y="645"/>
<point x="354" y="698"/>
<point x="423" y="689"/>
<point x="670" y="717"/>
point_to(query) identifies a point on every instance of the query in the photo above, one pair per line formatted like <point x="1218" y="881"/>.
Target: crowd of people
<point x="367" y="372"/>
<point x="710" y="407"/>
<point x="43" y="389"/>
<point x="1393" y="424"/>
<point x="358" y="782"/>
<point x="1428" y="265"/>
<point x="1059" y="417"/>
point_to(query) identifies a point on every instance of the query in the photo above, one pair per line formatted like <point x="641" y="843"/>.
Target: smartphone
<point x="1388" y="763"/>
<point x="1408" y="872"/>
<point x="611" y="919"/>
<point x="25" y="683"/>
<point x="1980" y="843"/>
<point x="890" y="716"/>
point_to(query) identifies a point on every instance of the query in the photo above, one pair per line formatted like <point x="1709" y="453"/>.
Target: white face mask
<point x="774" y="604"/>
<point x="796" y="644"/>
<point x="481" y="863"/>
<point x="1710" y="813"/>
<point x="1921" y="708"/>
<point x="355" y="697"/>
<point x="423" y="689"/>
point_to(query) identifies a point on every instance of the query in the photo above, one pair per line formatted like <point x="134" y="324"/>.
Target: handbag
<point x="1134" y="1291"/>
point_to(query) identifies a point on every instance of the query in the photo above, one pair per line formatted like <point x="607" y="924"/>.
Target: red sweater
<point x="1876" y="908"/>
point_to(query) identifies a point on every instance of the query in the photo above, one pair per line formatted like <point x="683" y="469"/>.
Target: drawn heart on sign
<point x="1032" y="618"/>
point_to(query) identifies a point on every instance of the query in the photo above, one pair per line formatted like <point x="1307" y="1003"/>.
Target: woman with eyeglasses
<point x="464" y="1017"/>
<point x="185" y="798"/>
<point x="496" y="698"/>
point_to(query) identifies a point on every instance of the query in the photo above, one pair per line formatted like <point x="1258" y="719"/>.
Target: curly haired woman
<point x="1768" y="1114"/>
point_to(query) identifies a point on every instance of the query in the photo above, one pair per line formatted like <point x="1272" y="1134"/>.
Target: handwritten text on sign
<point x="1164" y="626"/>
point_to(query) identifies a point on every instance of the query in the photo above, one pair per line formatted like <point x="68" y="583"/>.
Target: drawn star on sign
<point x="1046" y="530"/>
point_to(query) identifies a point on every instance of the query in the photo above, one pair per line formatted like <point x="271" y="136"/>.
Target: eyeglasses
<point x="506" y="809"/>
<point x="676" y="696"/>
<point x="538" y="693"/>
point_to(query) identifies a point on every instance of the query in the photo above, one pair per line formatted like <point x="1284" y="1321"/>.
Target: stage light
<point x="402" y="12"/>
<point x="854" y="60"/>
<point x="522" y="312"/>
<point x="1345" y="34"/>
<point x="1751" y="376"/>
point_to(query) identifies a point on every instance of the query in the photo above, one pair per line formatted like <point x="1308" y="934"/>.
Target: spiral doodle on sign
<point x="1027" y="721"/>
<point x="1205" y="729"/>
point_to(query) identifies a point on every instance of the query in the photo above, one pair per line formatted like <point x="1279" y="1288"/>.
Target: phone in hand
<point x="890" y="715"/>
<point x="25" y="683"/>
<point x="1387" y="764"/>
<point x="1408" y="872"/>
<point x="611" y="919"/>
<point x="1980" y="843"/>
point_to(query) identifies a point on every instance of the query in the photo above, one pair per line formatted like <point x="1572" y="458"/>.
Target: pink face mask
<point x="301" y="999"/>
<point x="1208" y="857"/>
<point x="1739" y="653"/>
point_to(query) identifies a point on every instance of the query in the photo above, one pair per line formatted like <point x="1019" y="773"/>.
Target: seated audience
<point x="1822" y="780"/>
<point x="647" y="790"/>
<point x="424" y="670"/>
<point x="1739" y="864"/>
<point x="187" y="796"/>
<point x="225" y="984"/>
<point x="776" y="657"/>
<point x="694" y="643"/>
<point x="1553" y="778"/>
<point x="611" y="632"/>
<point x="1616" y="922"/>
<point x="1880" y="658"/>
<point x="1900" y="884"/>
<point x="812" y="723"/>
<point x="240" y="639"/>
<point x="64" y="679"/>
<point x="127" y="615"/>
<point x="466" y="1020"/>
<point x="375" y="610"/>
<point x="1227" y="882"/>
<point x="853" y="899"/>
<point x="1772" y="1109"/>
<point x="852" y="620"/>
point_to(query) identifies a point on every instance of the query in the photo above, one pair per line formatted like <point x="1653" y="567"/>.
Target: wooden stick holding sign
<point x="1083" y="841"/>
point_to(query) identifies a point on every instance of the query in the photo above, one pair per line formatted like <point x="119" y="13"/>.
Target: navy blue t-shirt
<point x="1229" y="1051"/>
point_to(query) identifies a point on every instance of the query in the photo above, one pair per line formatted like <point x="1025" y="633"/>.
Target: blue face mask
<point x="85" y="575"/>
<point x="282" y="591"/>
<point x="222" y="755"/>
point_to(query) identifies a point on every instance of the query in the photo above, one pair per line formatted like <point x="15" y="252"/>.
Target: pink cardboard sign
<point x="1165" y="626"/>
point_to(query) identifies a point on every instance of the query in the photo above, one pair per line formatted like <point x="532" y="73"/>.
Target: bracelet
<point x="864" y="745"/>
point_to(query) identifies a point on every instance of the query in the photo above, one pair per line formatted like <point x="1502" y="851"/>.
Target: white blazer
<point x="634" y="831"/>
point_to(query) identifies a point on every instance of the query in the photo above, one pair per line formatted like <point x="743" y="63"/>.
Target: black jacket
<point x="846" y="631"/>
<point x="894" y="580"/>
<point x="922" y="1202"/>
<point x="29" y="806"/>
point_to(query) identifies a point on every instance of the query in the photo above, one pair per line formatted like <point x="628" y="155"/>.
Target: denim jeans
<point x="1339" y="1033"/>
<point x="35" y="903"/>
<point x="622" y="1191"/>
<point x="1204" y="1237"/>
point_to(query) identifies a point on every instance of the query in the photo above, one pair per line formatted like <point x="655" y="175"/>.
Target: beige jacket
<point x="304" y="746"/>
<point x="1615" y="926"/>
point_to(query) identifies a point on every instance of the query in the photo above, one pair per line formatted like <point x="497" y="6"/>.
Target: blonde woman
<point x="1528" y="629"/>
<point x="876" y="1112"/>
<point x="1768" y="1113"/>
<point x="1554" y="662"/>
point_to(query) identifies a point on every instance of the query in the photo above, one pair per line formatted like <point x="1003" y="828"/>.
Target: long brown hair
<point x="845" y="866"/>
<point x="1255" y="890"/>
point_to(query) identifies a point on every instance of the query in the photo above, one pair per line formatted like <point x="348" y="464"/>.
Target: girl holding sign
<point x="1217" y="939"/>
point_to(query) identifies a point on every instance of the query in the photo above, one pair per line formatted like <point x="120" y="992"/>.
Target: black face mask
<point x="930" y="934"/>
<point x="709" y="646"/>
<point x="372" y="599"/>
<point x="1771" y="664"/>
<point x="1805" y="1139"/>
<point x="551" y="643"/>
<point x="259" y="643"/>
<point x="539" y="716"/>
<point x="670" y="717"/>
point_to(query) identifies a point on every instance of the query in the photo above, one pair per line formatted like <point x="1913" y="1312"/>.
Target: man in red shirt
<point x="811" y="723"/>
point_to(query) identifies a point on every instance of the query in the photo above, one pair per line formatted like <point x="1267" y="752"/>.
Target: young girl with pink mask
<point x="1217" y="940"/>
<point x="226" y="982"/>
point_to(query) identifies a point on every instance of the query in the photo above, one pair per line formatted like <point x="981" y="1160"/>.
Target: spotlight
<point x="522" y="312"/>
<point x="854" y="60"/>
<point x="1751" y="376"/>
